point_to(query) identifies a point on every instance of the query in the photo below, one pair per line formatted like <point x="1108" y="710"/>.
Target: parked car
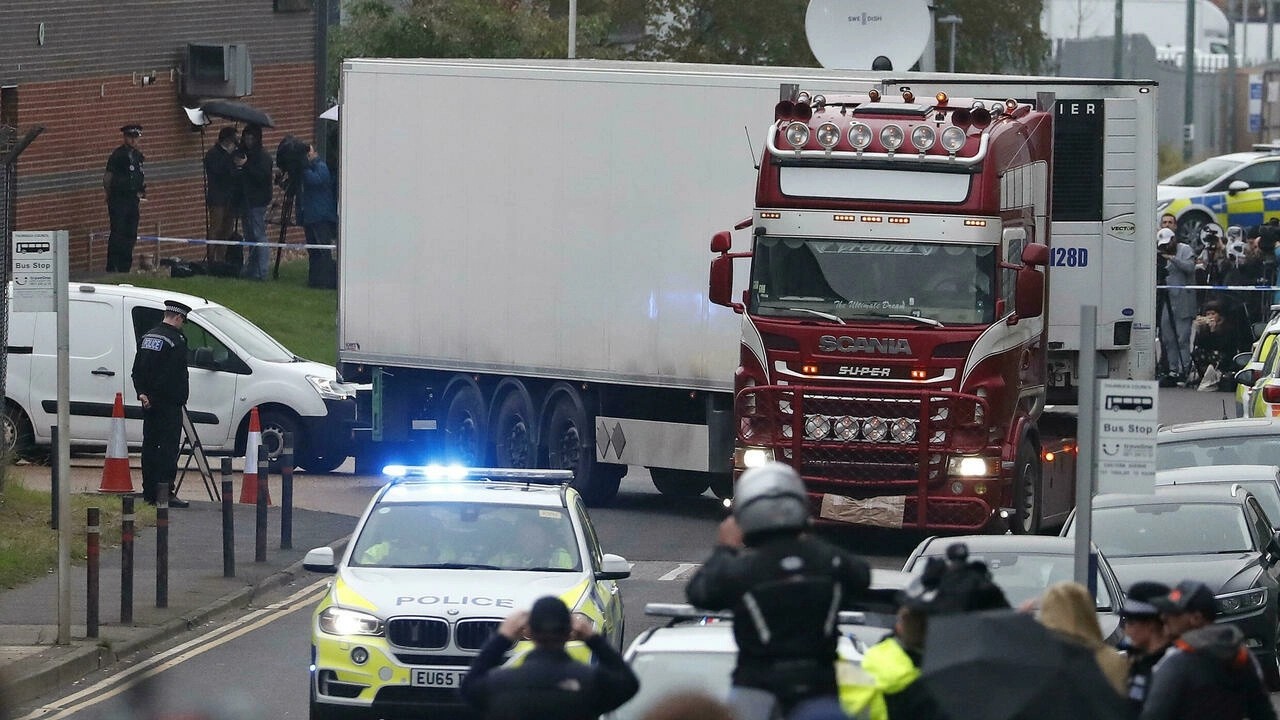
<point x="1024" y="566"/>
<point x="695" y="651"/>
<point x="438" y="559"/>
<point x="1237" y="189"/>
<point x="1261" y="480"/>
<point x="1219" y="536"/>
<point x="1238" y="441"/>
<point x="234" y="366"/>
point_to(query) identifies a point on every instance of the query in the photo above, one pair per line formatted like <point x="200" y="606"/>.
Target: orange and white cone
<point x="116" y="477"/>
<point x="252" y="445"/>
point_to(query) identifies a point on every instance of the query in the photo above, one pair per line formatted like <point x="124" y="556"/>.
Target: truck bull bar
<point x="874" y="457"/>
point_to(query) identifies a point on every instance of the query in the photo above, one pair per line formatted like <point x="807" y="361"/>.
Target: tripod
<point x="290" y="186"/>
<point x="1164" y="308"/>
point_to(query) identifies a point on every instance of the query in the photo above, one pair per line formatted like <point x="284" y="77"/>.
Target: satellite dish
<point x="849" y="34"/>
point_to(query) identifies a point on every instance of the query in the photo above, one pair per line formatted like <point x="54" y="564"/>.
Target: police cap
<point x="133" y="130"/>
<point x="174" y="306"/>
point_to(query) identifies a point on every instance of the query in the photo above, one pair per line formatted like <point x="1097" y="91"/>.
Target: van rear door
<point x="97" y="370"/>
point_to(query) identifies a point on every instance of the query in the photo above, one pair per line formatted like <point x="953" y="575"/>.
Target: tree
<point x="997" y="36"/>
<point x="736" y="32"/>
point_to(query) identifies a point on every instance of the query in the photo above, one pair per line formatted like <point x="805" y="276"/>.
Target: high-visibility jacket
<point x="890" y="671"/>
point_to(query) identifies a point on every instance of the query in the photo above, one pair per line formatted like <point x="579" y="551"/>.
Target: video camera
<point x="291" y="160"/>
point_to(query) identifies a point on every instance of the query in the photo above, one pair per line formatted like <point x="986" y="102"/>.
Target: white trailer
<point x="524" y="252"/>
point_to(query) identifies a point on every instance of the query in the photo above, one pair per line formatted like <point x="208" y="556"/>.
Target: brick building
<point x="83" y="68"/>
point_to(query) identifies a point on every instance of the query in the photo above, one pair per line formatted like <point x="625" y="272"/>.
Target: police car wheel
<point x="1189" y="226"/>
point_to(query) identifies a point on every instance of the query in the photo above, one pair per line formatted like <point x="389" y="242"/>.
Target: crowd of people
<point x="240" y="182"/>
<point x="954" y="634"/>
<point x="1201" y="330"/>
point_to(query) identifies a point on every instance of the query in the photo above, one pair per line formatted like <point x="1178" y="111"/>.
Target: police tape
<point x="203" y="241"/>
<point x="1219" y="287"/>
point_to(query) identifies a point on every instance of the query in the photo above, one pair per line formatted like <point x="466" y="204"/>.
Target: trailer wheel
<point x="1026" y="491"/>
<point x="464" y="424"/>
<point x="514" y="433"/>
<point x="570" y="441"/>
<point x="680" y="483"/>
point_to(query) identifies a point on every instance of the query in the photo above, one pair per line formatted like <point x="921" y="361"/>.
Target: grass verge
<point x="29" y="547"/>
<point x="303" y="319"/>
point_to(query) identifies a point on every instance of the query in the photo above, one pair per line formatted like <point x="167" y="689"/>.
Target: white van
<point x="234" y="366"/>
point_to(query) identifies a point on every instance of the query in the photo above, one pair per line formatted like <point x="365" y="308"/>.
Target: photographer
<point x="1175" y="307"/>
<point x="1215" y="340"/>
<point x="1211" y="260"/>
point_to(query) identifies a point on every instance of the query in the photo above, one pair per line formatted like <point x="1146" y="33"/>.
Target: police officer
<point x="549" y="684"/>
<point x="784" y="587"/>
<point x="125" y="184"/>
<point x="160" y="379"/>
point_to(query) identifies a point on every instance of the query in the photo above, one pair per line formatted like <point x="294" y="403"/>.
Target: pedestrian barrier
<point x="252" y="446"/>
<point x="116" y="476"/>
<point x="102" y="235"/>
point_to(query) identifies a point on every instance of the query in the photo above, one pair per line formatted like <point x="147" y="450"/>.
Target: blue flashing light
<point x="396" y="471"/>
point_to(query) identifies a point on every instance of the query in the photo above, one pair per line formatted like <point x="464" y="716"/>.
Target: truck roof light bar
<point x="797" y="153"/>
<point x="459" y="473"/>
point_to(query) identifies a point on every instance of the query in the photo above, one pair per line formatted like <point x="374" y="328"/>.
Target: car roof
<point x="708" y="637"/>
<point x="133" y="291"/>
<point x="1043" y="544"/>
<point x="1230" y="427"/>
<point x="1217" y="474"/>
<point x="500" y="492"/>
<point x="1207" y="494"/>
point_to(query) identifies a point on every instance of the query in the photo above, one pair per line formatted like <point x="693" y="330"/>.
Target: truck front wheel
<point x="1026" y="491"/>
<point x="570" y="442"/>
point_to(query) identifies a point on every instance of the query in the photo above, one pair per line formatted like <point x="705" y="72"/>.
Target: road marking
<point x="116" y="684"/>
<point x="678" y="573"/>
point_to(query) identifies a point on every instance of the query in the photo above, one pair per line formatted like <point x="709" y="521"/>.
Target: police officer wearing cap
<point x="125" y="184"/>
<point x="1145" y="638"/>
<point x="785" y="588"/>
<point x="160" y="379"/>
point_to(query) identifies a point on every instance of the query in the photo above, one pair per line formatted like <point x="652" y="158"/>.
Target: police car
<point x="437" y="560"/>
<point x="1237" y="189"/>
<point x="1259" y="372"/>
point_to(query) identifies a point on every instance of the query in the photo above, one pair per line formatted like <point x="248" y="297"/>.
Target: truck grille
<point x="473" y="634"/>
<point x="419" y="633"/>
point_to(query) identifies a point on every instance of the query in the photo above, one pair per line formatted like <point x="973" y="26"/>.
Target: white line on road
<point x="679" y="572"/>
<point x="116" y="684"/>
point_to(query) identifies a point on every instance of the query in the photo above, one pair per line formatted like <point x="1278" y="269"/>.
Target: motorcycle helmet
<point x="770" y="497"/>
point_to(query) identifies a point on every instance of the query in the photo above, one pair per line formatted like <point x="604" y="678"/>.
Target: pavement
<point x="33" y="665"/>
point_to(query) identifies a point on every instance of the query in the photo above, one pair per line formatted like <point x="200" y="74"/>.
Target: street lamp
<point x="953" y="21"/>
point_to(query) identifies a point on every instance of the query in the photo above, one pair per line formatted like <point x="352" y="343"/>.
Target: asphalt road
<point x="257" y="666"/>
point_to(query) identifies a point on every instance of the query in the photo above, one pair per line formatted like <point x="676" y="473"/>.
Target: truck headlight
<point x="749" y="457"/>
<point x="331" y="389"/>
<point x="971" y="466"/>
<point x="336" y="620"/>
<point x="1241" y="602"/>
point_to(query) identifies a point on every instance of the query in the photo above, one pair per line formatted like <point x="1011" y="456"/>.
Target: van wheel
<point x="18" y="439"/>
<point x="570" y="441"/>
<point x="275" y="424"/>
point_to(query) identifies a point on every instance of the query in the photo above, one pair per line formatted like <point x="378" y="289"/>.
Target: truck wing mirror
<point x="1028" y="299"/>
<point x="721" y="283"/>
<point x="721" y="242"/>
<point x="1035" y="255"/>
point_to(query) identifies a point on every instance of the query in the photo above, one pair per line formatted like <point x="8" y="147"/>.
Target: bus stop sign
<point x="1126" y="444"/>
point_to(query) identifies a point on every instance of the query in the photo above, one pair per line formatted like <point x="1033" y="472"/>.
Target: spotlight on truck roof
<point x="953" y="139"/>
<point x="908" y="96"/>
<point x="941" y="98"/>
<point x="828" y="135"/>
<point x="923" y="137"/>
<point x="860" y="136"/>
<point x="891" y="137"/>
<point x="874" y="95"/>
<point x="797" y="134"/>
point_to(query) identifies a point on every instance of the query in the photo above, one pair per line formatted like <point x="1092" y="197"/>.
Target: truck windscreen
<point x="859" y="279"/>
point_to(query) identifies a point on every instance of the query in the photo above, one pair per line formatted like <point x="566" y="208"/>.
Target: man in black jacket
<point x="1208" y="674"/>
<point x="160" y="379"/>
<point x="222" y="192"/>
<point x="548" y="684"/>
<point x="785" y="588"/>
<point x="1146" y="640"/>
<point x="254" y="164"/>
<point x="125" y="184"/>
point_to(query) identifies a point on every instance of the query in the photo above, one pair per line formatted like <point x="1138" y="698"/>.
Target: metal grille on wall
<point x="11" y="146"/>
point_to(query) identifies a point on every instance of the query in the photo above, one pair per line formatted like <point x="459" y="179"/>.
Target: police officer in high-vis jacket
<point x="160" y="379"/>
<point x="125" y="185"/>
<point x="785" y="588"/>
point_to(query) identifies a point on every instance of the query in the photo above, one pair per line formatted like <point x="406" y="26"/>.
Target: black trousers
<point x="322" y="272"/>
<point x="161" y="435"/>
<point x="123" y="215"/>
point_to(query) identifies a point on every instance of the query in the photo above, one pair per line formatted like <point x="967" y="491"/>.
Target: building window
<point x="291" y="5"/>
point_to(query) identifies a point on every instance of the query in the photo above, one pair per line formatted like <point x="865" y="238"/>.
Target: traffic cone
<point x="116" y="477"/>
<point x="249" y="488"/>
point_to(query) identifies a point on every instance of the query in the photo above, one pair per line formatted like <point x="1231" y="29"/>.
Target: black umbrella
<point x="1003" y="665"/>
<point x="237" y="111"/>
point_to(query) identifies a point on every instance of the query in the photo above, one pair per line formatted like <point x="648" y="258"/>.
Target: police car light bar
<point x="446" y="473"/>
<point x="684" y="611"/>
